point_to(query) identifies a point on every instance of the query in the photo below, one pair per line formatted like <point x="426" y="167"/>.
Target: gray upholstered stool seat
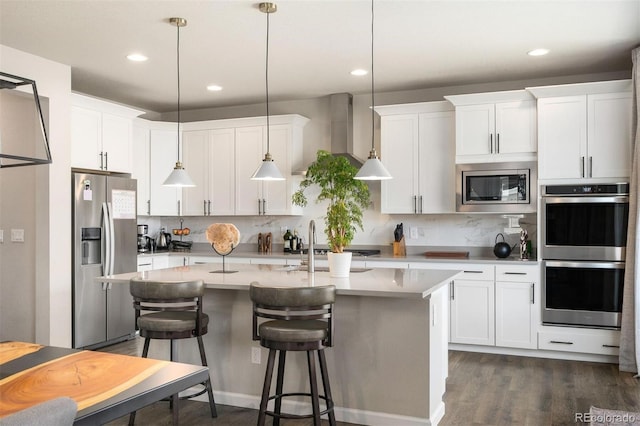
<point x="171" y="310"/>
<point x="293" y="331"/>
<point x="294" y="319"/>
<point x="171" y="321"/>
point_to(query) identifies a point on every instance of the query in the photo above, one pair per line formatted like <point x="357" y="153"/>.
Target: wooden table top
<point x="105" y="386"/>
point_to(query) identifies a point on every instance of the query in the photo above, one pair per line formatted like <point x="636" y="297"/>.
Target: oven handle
<point x="590" y="264"/>
<point x="585" y="199"/>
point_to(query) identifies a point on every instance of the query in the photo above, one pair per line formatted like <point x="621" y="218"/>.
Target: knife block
<point x="399" y="248"/>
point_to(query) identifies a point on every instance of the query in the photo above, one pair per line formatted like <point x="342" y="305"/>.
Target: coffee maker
<point x="145" y="242"/>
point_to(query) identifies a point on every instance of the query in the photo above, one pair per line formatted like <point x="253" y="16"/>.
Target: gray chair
<point x="294" y="319"/>
<point x="55" y="412"/>
<point x="173" y="311"/>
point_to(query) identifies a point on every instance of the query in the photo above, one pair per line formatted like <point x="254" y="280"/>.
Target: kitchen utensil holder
<point x="399" y="248"/>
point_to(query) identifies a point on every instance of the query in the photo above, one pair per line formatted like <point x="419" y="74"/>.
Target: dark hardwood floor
<point x="482" y="389"/>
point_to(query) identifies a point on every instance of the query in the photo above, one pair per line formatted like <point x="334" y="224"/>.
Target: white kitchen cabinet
<point x="584" y="131"/>
<point x="263" y="197"/>
<point x="495" y="127"/>
<point x="581" y="340"/>
<point x="224" y="154"/>
<point x="101" y="134"/>
<point x="472" y="305"/>
<point x="163" y="153"/>
<point x="140" y="170"/>
<point x="208" y="155"/>
<point x="418" y="150"/>
<point x="517" y="306"/>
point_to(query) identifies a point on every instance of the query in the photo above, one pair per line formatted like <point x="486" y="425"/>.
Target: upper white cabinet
<point x="493" y="127"/>
<point x="163" y="153"/>
<point x="101" y="134"/>
<point x="584" y="130"/>
<point x="140" y="169"/>
<point x="418" y="149"/>
<point x="222" y="155"/>
<point x="208" y="155"/>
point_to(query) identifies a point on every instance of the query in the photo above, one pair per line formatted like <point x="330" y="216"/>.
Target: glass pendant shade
<point x="179" y="177"/>
<point x="267" y="170"/>
<point x="373" y="169"/>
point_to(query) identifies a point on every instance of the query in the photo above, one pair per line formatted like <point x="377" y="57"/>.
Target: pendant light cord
<point x="178" y="66"/>
<point x="266" y="78"/>
<point x="372" y="91"/>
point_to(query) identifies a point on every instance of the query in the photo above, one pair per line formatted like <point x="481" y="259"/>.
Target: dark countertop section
<point x="414" y="253"/>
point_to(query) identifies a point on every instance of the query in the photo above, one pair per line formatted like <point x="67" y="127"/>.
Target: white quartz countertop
<point x="402" y="283"/>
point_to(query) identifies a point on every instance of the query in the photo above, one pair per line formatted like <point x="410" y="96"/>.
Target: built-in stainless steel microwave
<point x="496" y="187"/>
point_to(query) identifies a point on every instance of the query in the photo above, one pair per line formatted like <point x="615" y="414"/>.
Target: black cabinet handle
<point x="559" y="342"/>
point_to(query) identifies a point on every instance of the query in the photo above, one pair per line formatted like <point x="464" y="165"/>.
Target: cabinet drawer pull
<point x="472" y="272"/>
<point x="453" y="290"/>
<point x="590" y="167"/>
<point x="515" y="273"/>
<point x="106" y="161"/>
<point x="533" y="293"/>
<point x="144" y="264"/>
<point x="497" y="143"/>
<point x="204" y="207"/>
<point x="148" y="207"/>
<point x="582" y="167"/>
<point x="415" y="204"/>
<point x="209" y="210"/>
<point x="560" y="342"/>
<point x="611" y="346"/>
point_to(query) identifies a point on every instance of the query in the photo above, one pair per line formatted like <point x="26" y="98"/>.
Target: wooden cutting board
<point x="87" y="377"/>
<point x="447" y="254"/>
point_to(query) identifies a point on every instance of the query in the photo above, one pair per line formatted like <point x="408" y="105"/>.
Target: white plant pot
<point x="339" y="264"/>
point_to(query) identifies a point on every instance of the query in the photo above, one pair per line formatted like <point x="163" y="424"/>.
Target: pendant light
<point x="179" y="176"/>
<point x="267" y="169"/>
<point x="372" y="169"/>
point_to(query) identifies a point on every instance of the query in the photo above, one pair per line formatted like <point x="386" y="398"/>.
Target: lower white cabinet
<point x="517" y="306"/>
<point x="472" y="306"/>
<point x="581" y="340"/>
<point x="493" y="304"/>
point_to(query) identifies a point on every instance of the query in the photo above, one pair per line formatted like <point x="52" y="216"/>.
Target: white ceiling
<point x="314" y="44"/>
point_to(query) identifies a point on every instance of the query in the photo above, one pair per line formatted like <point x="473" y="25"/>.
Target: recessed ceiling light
<point x="359" y="72"/>
<point x="137" y="57"/>
<point x="214" y="88"/>
<point x="538" y="52"/>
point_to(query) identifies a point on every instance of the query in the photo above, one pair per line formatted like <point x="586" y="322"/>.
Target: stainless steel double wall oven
<point x="584" y="235"/>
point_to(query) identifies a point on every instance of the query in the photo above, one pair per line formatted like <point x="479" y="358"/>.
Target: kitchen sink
<point x="303" y="268"/>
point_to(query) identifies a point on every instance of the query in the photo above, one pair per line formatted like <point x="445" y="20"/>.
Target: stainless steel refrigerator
<point x="104" y="242"/>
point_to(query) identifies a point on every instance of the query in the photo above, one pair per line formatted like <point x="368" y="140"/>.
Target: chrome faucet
<point x="311" y="260"/>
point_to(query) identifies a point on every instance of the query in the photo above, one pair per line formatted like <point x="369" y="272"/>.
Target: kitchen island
<point x="389" y="360"/>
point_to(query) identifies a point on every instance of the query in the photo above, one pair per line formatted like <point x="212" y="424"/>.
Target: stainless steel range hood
<point x="341" y="115"/>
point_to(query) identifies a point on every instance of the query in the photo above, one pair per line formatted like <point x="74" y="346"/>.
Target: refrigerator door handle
<point x="107" y="239"/>
<point x="112" y="238"/>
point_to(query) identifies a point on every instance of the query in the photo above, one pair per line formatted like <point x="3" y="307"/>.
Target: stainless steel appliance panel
<point x="496" y="187"/>
<point x="101" y="313"/>
<point x="585" y="294"/>
<point x="120" y="313"/>
<point x="587" y="222"/>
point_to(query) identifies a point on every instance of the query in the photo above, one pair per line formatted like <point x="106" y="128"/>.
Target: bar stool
<point x="176" y="313"/>
<point x="298" y="319"/>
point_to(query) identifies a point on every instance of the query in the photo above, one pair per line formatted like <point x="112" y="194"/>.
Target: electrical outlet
<point x="17" y="235"/>
<point x="255" y="355"/>
<point x="414" y="232"/>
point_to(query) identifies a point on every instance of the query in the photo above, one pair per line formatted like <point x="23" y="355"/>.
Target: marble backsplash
<point x="463" y="230"/>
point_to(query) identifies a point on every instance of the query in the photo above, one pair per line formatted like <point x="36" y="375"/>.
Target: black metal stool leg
<point x="326" y="386"/>
<point x="313" y="382"/>
<point x="203" y="358"/>
<point x="266" y="388"/>
<point x="279" y="382"/>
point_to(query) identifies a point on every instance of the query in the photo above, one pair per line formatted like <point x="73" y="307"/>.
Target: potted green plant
<point x="346" y="197"/>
